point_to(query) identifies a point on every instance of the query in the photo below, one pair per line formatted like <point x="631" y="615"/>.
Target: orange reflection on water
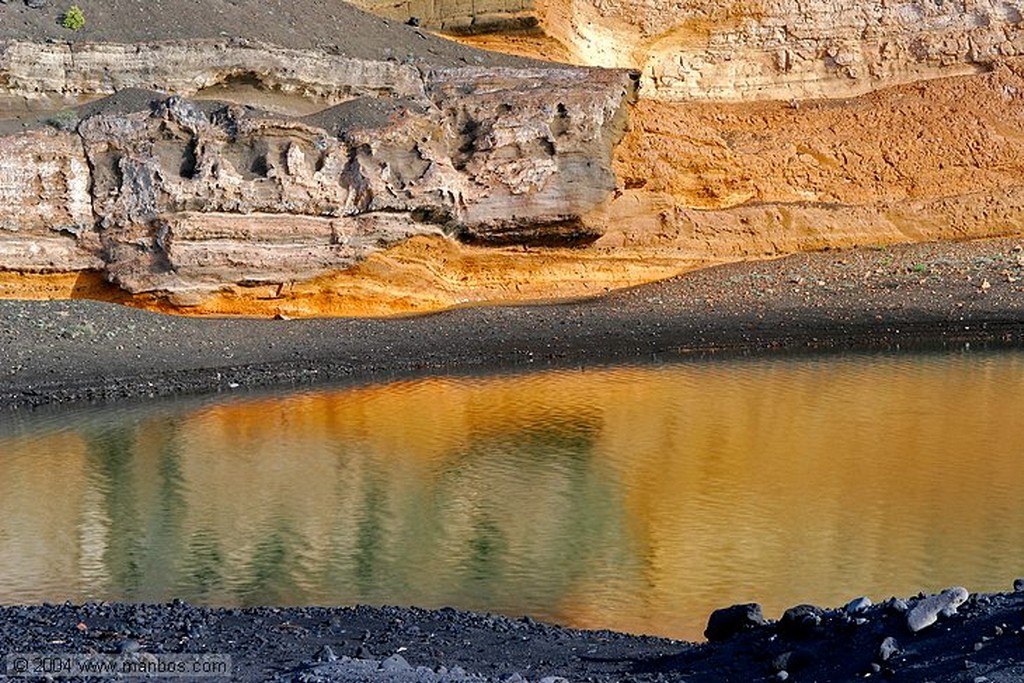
<point x="638" y="499"/>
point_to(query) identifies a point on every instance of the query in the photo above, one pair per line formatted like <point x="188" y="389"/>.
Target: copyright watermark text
<point x="137" y="664"/>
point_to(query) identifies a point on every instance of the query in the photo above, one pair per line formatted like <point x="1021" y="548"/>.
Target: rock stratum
<point x="302" y="158"/>
<point x="784" y="49"/>
<point x="182" y="196"/>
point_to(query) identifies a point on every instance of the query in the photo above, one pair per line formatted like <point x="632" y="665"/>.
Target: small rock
<point x="726" y="622"/>
<point x="36" y="4"/>
<point x="1018" y="585"/>
<point x="782" y="676"/>
<point x="794" y="661"/>
<point x="928" y="610"/>
<point x="553" y="679"/>
<point x="858" y="605"/>
<point x="875" y="667"/>
<point x="888" y="649"/>
<point x="899" y="605"/>
<point x="128" y="646"/>
<point x="326" y="654"/>
<point x="515" y="678"/>
<point x="395" y="662"/>
<point x="800" y="621"/>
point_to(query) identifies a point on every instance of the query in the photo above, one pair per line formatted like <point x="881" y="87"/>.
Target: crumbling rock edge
<point x="184" y="197"/>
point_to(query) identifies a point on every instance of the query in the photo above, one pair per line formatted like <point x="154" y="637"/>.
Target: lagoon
<point x="636" y="498"/>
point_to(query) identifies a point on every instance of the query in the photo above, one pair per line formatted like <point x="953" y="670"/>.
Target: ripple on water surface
<point x="636" y="498"/>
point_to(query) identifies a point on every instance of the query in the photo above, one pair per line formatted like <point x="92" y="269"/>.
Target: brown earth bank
<point x="938" y="159"/>
<point x="977" y="639"/>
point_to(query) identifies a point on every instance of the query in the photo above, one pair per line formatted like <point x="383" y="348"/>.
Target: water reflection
<point x="629" y="498"/>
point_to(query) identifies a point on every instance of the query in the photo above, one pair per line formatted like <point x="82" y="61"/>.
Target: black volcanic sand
<point x="944" y="295"/>
<point x="982" y="642"/>
<point x="332" y="26"/>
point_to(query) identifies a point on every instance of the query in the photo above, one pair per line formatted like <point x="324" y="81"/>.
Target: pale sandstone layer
<point x="784" y="49"/>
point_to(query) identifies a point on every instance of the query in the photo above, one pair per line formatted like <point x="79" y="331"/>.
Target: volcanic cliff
<point x="309" y="158"/>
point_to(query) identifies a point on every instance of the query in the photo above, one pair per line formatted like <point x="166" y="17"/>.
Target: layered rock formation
<point x="805" y="126"/>
<point x="463" y="16"/>
<point x="938" y="159"/>
<point x="784" y="49"/>
<point x="379" y="169"/>
<point x="186" y="197"/>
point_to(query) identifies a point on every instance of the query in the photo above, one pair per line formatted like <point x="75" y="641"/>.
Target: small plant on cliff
<point x="74" y="18"/>
<point x="66" y="120"/>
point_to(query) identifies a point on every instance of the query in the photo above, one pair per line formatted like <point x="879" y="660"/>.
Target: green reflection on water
<point x="111" y="454"/>
<point x="631" y="498"/>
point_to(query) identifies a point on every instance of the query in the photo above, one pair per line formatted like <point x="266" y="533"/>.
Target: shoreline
<point x="979" y="641"/>
<point x="936" y="295"/>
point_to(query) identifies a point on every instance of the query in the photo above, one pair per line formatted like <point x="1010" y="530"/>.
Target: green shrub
<point x="74" y="18"/>
<point x="66" y="120"/>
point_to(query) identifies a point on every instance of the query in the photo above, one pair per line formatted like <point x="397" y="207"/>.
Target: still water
<point x="633" y="498"/>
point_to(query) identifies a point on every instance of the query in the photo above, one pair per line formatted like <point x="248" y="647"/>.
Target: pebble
<point x="326" y="654"/>
<point x="858" y="605"/>
<point x="1018" y="585"/>
<point x="899" y="605"/>
<point x="800" y="621"/>
<point x="395" y="662"/>
<point x="888" y="649"/>
<point x="128" y="646"/>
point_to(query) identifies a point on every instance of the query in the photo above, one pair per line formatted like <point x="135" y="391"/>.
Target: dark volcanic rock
<point x="888" y="649"/>
<point x="726" y="622"/>
<point x="800" y="621"/>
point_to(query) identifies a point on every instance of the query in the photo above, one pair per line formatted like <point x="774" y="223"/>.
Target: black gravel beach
<point x="981" y="642"/>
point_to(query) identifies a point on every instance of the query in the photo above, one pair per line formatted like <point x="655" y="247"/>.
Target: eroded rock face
<point x="187" y="67"/>
<point x="783" y="49"/>
<point x="46" y="219"/>
<point x="185" y="197"/>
